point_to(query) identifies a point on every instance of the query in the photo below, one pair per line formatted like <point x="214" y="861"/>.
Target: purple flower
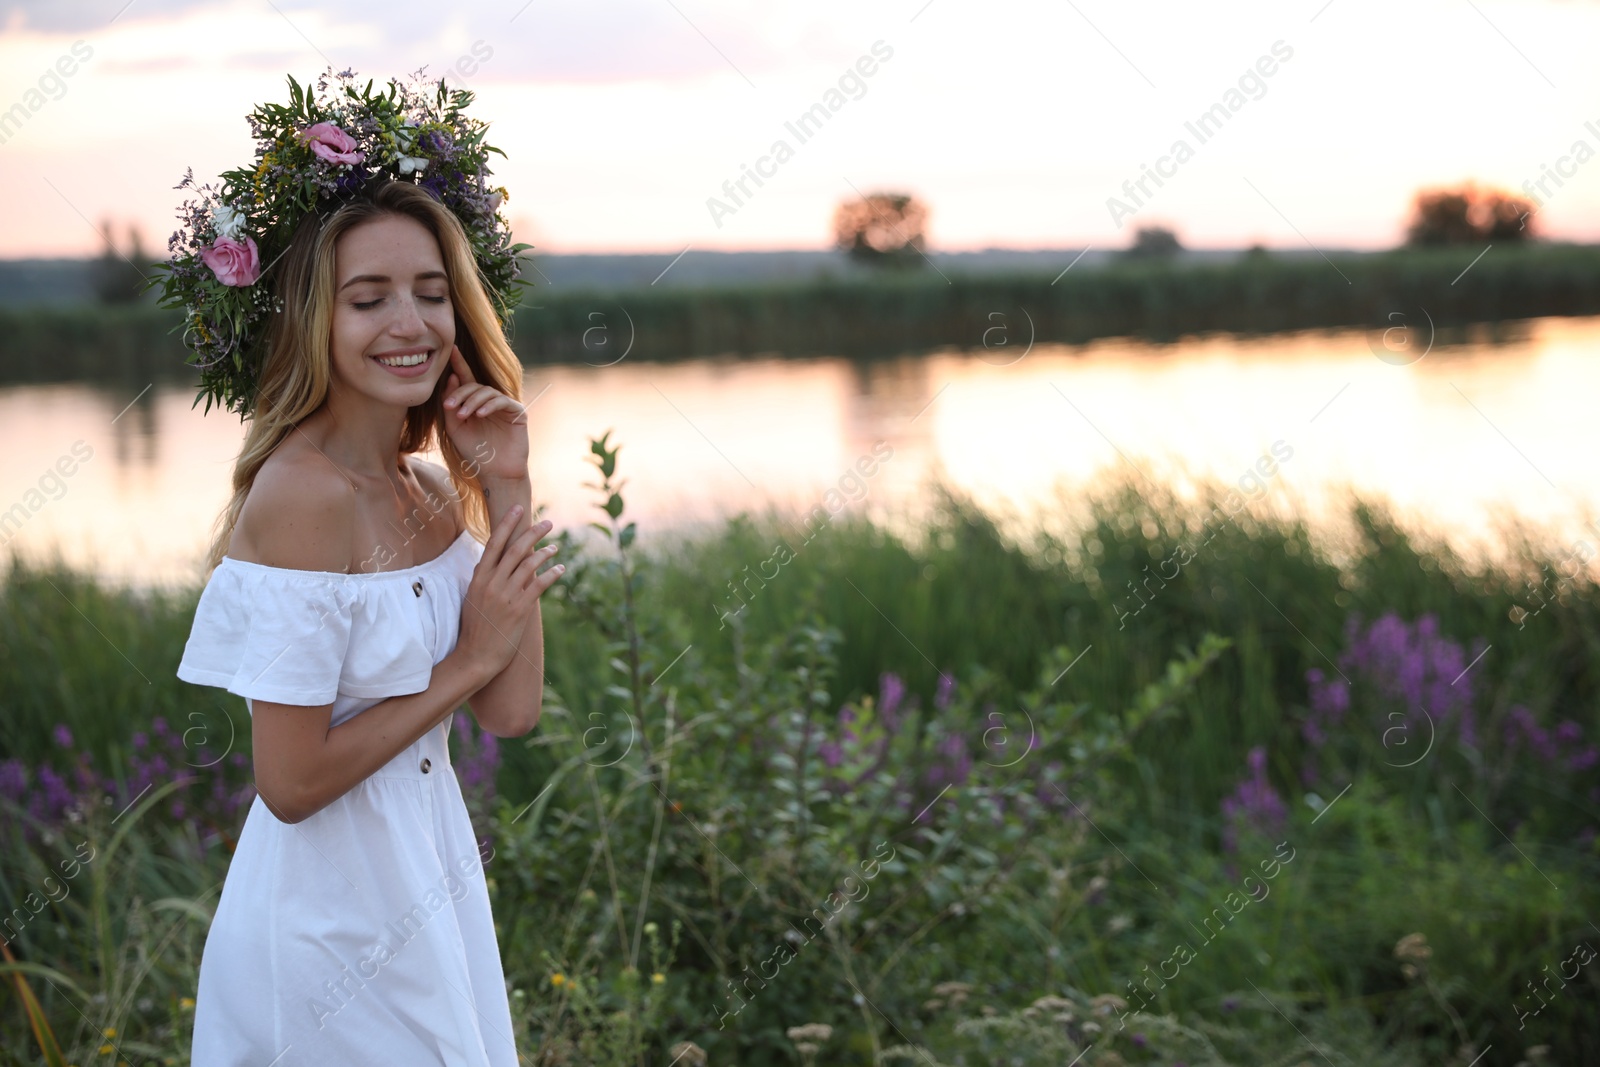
<point x="1139" y="1040"/>
<point x="479" y="758"/>
<point x="13" y="779"/>
<point x="1254" y="805"/>
<point x="53" y="797"/>
<point x="437" y="143"/>
<point x="891" y="690"/>
<point x="946" y="692"/>
<point x="62" y="735"/>
<point x="1522" y="727"/>
<point x="953" y="762"/>
<point x="1409" y="664"/>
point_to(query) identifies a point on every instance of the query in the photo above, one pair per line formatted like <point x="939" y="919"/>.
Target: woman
<point x="355" y="605"/>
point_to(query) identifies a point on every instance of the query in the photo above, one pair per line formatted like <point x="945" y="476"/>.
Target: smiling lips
<point x="407" y="364"/>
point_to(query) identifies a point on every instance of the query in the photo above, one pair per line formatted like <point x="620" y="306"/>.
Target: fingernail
<point x="516" y="509"/>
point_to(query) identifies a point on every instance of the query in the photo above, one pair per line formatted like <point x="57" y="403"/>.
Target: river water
<point x="1463" y="443"/>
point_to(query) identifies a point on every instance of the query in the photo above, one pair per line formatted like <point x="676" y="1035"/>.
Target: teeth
<point x="405" y="361"/>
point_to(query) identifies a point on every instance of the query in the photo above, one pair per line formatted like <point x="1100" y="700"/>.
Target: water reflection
<point x="1464" y="442"/>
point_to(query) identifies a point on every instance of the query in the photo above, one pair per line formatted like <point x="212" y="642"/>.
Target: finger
<point x="459" y="362"/>
<point x="527" y="577"/>
<point x="525" y="546"/>
<point x="501" y="402"/>
<point x="472" y="396"/>
<point x="534" y="557"/>
<point x="494" y="548"/>
<point x="515" y="552"/>
<point x="547" y="579"/>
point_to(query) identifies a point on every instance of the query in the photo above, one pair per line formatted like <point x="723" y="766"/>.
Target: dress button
<point x="416" y="587"/>
<point x="426" y="763"/>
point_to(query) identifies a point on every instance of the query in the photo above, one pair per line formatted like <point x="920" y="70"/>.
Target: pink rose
<point x="329" y="142"/>
<point x="233" y="263"/>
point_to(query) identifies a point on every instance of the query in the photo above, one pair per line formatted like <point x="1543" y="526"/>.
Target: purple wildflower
<point x="952" y="764"/>
<point x="1410" y="664"/>
<point x="891" y="690"/>
<point x="62" y="735"/>
<point x="13" y="779"/>
<point x="437" y="143"/>
<point x="1254" y="805"/>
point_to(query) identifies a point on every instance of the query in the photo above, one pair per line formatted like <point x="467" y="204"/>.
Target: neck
<point x="359" y="436"/>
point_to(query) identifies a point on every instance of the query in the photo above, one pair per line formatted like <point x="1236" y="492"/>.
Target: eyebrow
<point x="386" y="278"/>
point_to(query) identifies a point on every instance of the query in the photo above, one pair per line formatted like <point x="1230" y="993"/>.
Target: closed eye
<point x="368" y="305"/>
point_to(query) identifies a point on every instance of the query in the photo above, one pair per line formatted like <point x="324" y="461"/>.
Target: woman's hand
<point x="505" y="587"/>
<point x="488" y="428"/>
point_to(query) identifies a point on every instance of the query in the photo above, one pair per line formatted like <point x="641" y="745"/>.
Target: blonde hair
<point x="297" y="366"/>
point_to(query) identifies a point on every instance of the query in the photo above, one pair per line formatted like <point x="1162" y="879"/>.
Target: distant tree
<point x="1153" y="242"/>
<point x="882" y="229"/>
<point x="119" y="278"/>
<point x="1469" y="214"/>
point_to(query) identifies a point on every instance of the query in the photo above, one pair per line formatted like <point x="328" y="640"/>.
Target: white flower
<point x="228" y="222"/>
<point x="412" y="164"/>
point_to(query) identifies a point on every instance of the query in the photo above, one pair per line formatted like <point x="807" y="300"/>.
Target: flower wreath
<point x="314" y="154"/>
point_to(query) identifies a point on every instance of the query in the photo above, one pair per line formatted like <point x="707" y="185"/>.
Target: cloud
<point x="591" y="42"/>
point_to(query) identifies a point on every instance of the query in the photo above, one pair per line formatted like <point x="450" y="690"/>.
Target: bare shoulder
<point x="435" y="481"/>
<point x="299" y="514"/>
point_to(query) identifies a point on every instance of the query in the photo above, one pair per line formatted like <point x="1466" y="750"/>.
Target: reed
<point x="892" y="315"/>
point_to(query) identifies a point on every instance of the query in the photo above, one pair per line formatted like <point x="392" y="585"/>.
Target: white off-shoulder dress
<point x="361" y="935"/>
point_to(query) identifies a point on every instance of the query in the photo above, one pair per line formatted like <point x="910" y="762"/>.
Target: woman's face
<point x="391" y="306"/>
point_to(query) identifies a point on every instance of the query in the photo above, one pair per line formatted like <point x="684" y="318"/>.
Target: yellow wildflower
<point x="558" y="980"/>
<point x="186" y="1002"/>
<point x="658" y="978"/>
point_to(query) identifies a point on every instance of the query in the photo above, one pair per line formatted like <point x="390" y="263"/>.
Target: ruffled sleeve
<point x="271" y="634"/>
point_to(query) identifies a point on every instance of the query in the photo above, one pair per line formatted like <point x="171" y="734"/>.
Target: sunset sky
<point x="1014" y="120"/>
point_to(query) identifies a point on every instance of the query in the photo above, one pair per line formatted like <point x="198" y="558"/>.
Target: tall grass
<point x="1096" y="785"/>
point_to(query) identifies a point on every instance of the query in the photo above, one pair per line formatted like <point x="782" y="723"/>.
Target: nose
<point x="407" y="322"/>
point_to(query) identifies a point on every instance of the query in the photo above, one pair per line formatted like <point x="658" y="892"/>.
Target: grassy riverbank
<point x="952" y="793"/>
<point x="893" y="315"/>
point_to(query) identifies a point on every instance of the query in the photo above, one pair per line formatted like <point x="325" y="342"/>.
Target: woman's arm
<point x="509" y="703"/>
<point x="302" y="765"/>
